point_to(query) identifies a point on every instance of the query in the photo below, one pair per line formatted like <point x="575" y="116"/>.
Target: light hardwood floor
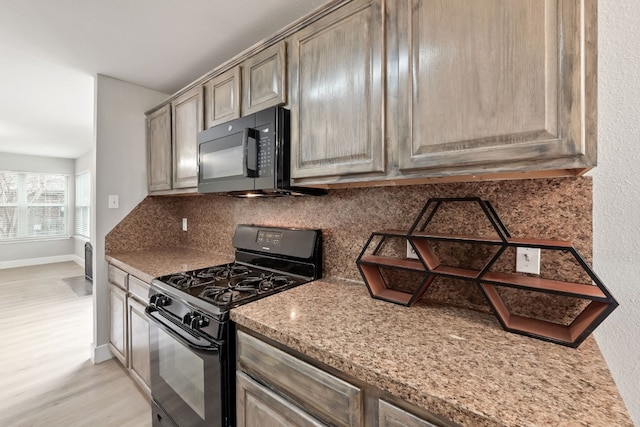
<point x="46" y="374"/>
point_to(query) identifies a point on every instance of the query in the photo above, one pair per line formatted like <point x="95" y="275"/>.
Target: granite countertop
<point x="455" y="363"/>
<point x="150" y="263"/>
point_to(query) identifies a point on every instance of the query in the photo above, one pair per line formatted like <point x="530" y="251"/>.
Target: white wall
<point x="29" y="253"/>
<point x="616" y="183"/>
<point x="120" y="169"/>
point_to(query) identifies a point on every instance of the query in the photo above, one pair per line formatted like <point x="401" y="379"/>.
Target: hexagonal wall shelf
<point x="371" y="262"/>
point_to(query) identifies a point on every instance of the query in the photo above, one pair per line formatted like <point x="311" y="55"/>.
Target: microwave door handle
<point x="250" y="149"/>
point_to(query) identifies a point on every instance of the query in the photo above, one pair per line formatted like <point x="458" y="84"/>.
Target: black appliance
<point x="249" y="157"/>
<point x="192" y="339"/>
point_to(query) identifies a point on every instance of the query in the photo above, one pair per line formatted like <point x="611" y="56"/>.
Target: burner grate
<point x="244" y="289"/>
<point x="222" y="272"/>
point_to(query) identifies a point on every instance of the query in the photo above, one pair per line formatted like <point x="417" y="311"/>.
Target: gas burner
<point x="182" y="281"/>
<point x="264" y="283"/>
<point x="274" y="282"/>
<point x="209" y="272"/>
<point x="249" y="284"/>
<point x="223" y="272"/>
<point x="223" y="296"/>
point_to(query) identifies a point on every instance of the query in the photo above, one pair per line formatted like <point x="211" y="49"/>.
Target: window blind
<point x="83" y="205"/>
<point x="32" y="205"/>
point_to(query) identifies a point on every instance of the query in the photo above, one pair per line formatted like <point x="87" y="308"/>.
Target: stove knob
<point x="195" y="321"/>
<point x="159" y="300"/>
<point x="203" y="321"/>
<point x="187" y="319"/>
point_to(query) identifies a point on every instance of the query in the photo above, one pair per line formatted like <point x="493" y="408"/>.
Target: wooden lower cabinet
<point x="323" y="395"/>
<point x="138" y="334"/>
<point x="258" y="406"/>
<point x="118" y="323"/>
<point x="128" y="325"/>
<point x="276" y="388"/>
<point x="391" y="416"/>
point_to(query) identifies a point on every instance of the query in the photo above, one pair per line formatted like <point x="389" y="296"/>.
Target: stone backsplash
<point x="559" y="208"/>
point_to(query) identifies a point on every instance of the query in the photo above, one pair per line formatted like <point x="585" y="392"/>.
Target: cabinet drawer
<point x="139" y="289"/>
<point x="330" y="398"/>
<point x="392" y="416"/>
<point x="118" y="277"/>
<point x="258" y="405"/>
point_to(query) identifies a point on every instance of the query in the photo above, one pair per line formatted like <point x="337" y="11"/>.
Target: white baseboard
<point x="100" y="354"/>
<point x="78" y="260"/>
<point x="37" y="261"/>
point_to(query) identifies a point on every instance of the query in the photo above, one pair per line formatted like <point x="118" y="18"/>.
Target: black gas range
<point x="192" y="340"/>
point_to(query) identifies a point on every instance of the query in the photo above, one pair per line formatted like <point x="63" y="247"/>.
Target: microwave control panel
<point x="265" y="155"/>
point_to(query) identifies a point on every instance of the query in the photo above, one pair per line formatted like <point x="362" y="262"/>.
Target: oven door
<point x="186" y="376"/>
<point x="228" y="157"/>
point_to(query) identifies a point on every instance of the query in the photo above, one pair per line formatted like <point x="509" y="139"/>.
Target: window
<point x="83" y="204"/>
<point x="32" y="205"/>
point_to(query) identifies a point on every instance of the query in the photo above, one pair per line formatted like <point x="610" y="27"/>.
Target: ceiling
<point x="50" y="52"/>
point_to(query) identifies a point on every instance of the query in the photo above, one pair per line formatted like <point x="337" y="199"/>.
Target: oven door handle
<point x="179" y="333"/>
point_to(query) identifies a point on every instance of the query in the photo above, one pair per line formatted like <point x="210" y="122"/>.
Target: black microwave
<point x="248" y="156"/>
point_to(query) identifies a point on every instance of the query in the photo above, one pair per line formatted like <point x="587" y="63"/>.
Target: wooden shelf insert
<point x="404" y="263"/>
<point x="578" y="290"/>
<point x="456" y="272"/>
<point x="464" y="238"/>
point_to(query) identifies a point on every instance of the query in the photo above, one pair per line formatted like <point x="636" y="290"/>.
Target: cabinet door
<point x="392" y="416"/>
<point x="263" y="79"/>
<point x="493" y="85"/>
<point x="337" y="81"/>
<point x="159" y="149"/>
<point x="139" y="365"/>
<point x="222" y="98"/>
<point x="186" y="120"/>
<point x="118" y="323"/>
<point x="257" y="406"/>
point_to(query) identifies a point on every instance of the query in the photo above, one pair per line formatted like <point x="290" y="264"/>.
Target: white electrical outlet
<point x="184" y="224"/>
<point x="410" y="252"/>
<point x="528" y="260"/>
<point x="113" y="201"/>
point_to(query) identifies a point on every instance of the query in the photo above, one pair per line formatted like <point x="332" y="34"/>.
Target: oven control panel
<point x="269" y="237"/>
<point x="292" y="242"/>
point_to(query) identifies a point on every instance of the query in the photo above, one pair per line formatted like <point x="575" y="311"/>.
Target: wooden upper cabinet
<point x="337" y="82"/>
<point x="264" y="79"/>
<point x="186" y="120"/>
<point x="159" y="149"/>
<point x="493" y="86"/>
<point x="222" y="98"/>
